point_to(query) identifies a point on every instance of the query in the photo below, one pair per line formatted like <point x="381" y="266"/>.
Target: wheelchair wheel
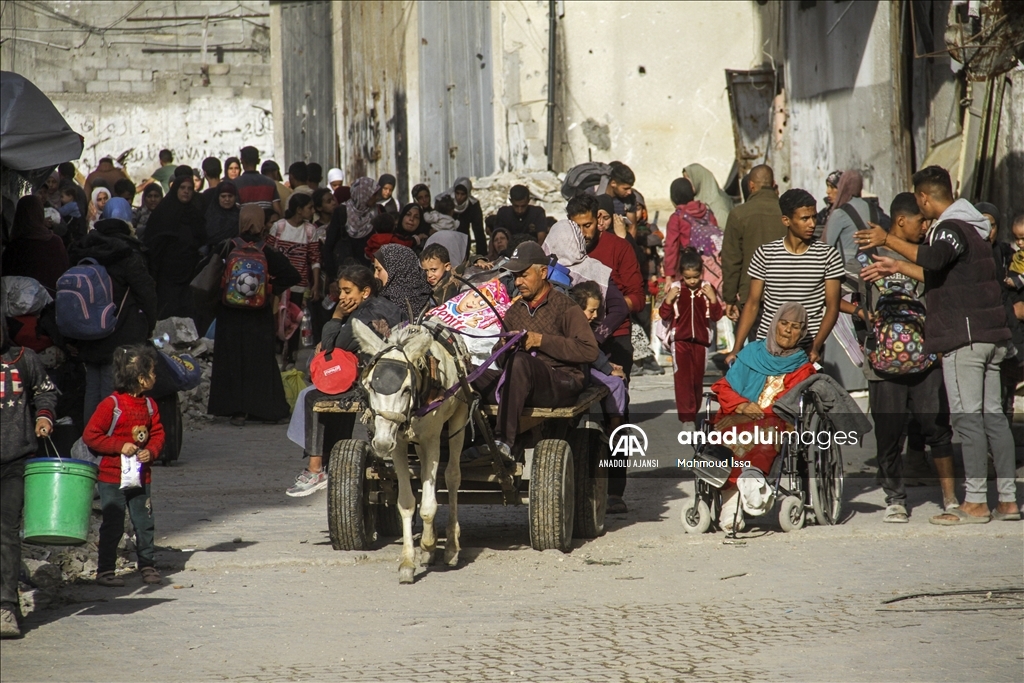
<point x="791" y="514"/>
<point x="696" y="519"/>
<point x="824" y="473"/>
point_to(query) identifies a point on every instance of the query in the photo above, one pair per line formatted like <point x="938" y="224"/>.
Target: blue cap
<point x="118" y="207"/>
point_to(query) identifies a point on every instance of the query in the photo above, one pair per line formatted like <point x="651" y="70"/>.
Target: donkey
<point x="393" y="381"/>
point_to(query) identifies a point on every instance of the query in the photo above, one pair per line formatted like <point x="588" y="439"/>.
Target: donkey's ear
<point x="368" y="340"/>
<point x="417" y="345"/>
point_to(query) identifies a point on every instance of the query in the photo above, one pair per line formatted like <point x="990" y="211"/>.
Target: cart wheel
<point x="389" y="521"/>
<point x="552" y="496"/>
<point x="350" y="519"/>
<point x="697" y="520"/>
<point x="791" y="514"/>
<point x="825" y="475"/>
<point x="589" y="447"/>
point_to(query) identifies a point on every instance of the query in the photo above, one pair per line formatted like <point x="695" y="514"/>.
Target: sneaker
<point x="307" y="483"/>
<point x="504" y="450"/>
<point x="9" y="625"/>
<point x="636" y="371"/>
<point x="652" y="367"/>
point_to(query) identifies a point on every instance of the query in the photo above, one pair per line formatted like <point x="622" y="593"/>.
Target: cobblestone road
<point x="644" y="603"/>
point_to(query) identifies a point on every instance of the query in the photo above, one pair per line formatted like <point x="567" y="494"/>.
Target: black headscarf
<point x="401" y="217"/>
<point x="222" y="224"/>
<point x="406" y="282"/>
<point x="174" y="221"/>
<point x="605" y="201"/>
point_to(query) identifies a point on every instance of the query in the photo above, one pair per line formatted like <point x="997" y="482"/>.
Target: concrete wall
<point x="645" y="84"/>
<point x="841" y="103"/>
<point x="119" y="97"/>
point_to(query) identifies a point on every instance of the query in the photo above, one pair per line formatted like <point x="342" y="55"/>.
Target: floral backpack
<point x="899" y="331"/>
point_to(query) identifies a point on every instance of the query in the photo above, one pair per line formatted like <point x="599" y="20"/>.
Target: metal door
<point x="308" y="84"/>
<point x="456" y="91"/>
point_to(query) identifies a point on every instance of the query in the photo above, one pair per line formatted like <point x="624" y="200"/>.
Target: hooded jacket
<point x="113" y="247"/>
<point x="963" y="297"/>
<point x="25" y="389"/>
<point x="677" y="231"/>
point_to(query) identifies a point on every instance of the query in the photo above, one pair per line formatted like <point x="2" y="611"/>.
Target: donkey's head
<point x="392" y="379"/>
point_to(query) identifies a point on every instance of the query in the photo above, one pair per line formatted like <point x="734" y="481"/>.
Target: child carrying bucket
<point x="126" y="423"/>
<point x="28" y="400"/>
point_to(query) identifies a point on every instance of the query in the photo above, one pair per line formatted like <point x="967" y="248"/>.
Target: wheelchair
<point x="806" y="477"/>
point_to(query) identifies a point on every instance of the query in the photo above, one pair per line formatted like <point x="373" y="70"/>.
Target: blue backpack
<point x="85" y="302"/>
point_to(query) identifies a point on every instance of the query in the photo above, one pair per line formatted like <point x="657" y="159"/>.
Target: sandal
<point x="151" y="575"/>
<point x="238" y="421"/>
<point x="1005" y="516"/>
<point x="961" y="518"/>
<point x="896" y="514"/>
<point x="616" y="506"/>
<point x="109" y="579"/>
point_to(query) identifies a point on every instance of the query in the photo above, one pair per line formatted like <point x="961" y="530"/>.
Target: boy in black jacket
<point x="27" y="402"/>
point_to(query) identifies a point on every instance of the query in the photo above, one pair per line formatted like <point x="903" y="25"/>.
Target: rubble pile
<point x="545" y="187"/>
<point x="45" y="569"/>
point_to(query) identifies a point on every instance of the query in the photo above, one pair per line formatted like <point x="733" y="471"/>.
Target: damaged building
<point x="434" y="90"/>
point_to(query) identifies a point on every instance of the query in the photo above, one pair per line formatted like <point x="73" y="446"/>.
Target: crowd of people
<point x="581" y="286"/>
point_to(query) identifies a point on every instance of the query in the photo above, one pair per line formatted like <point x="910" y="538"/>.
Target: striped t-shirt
<point x="795" y="277"/>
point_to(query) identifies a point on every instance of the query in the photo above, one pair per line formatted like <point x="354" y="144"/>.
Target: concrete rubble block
<point x="33" y="600"/>
<point x="42" y="574"/>
<point x="96" y="86"/>
<point x="180" y="330"/>
<point x="545" y="187"/>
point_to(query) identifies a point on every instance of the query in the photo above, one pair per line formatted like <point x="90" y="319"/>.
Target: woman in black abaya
<point x="246" y="381"/>
<point x="174" y="233"/>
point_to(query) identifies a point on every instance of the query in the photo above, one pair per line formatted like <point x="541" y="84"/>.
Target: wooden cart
<point x="559" y="478"/>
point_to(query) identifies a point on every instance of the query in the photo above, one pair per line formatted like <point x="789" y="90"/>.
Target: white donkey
<point x="394" y="381"/>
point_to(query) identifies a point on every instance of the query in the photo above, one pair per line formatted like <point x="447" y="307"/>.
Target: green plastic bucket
<point x="58" y="500"/>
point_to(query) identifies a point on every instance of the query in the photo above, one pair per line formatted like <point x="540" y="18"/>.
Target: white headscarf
<point x="565" y="240"/>
<point x="335" y="174"/>
<point x="97" y="191"/>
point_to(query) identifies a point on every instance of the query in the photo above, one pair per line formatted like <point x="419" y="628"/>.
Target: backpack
<point x="899" y="334"/>
<point x="582" y="177"/>
<point x="85" y="302"/>
<point x="245" y="280"/>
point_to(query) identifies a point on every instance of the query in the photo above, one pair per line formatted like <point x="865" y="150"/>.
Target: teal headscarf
<point x="764" y="358"/>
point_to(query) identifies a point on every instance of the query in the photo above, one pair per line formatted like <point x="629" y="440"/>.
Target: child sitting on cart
<point x="763" y="371"/>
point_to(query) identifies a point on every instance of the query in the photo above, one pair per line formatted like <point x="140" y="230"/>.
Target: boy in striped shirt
<point x="795" y="268"/>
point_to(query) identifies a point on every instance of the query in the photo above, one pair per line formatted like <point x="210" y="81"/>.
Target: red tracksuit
<point x="689" y="316"/>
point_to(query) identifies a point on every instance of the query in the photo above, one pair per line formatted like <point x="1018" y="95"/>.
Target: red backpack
<point x="245" y="280"/>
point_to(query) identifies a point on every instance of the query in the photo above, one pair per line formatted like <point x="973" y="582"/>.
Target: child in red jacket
<point x="127" y="423"/>
<point x="690" y="308"/>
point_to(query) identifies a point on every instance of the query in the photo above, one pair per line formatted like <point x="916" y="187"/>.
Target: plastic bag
<point x="131" y="472"/>
<point x="294" y="382"/>
<point x="23" y="296"/>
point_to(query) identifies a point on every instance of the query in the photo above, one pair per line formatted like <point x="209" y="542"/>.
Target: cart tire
<point x="825" y="475"/>
<point x="791" y="514"/>
<point x="589" y="448"/>
<point x="350" y="519"/>
<point x="696" y="520"/>
<point x="552" y="496"/>
<point x="389" y="521"/>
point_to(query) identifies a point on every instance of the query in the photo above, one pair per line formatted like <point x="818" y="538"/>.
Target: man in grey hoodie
<point x="966" y="324"/>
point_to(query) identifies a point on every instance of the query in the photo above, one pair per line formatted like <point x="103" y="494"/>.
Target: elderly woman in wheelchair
<point x="763" y="371"/>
